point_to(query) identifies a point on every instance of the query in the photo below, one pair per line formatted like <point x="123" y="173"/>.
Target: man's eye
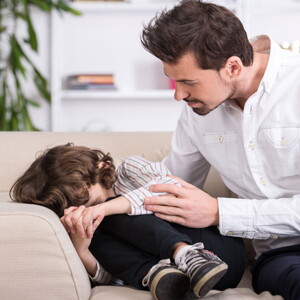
<point x="190" y="83"/>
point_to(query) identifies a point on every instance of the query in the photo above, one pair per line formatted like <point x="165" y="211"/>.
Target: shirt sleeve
<point x="134" y="177"/>
<point x="260" y="219"/>
<point x="185" y="160"/>
<point x="101" y="276"/>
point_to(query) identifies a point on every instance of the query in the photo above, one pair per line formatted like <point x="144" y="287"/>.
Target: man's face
<point x="203" y="90"/>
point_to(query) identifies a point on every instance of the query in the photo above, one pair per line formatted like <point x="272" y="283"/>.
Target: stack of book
<point x="90" y="82"/>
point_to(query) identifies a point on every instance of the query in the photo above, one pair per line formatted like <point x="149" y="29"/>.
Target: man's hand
<point x="186" y="205"/>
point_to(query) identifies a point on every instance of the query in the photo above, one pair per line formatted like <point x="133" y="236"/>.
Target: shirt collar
<point x="264" y="44"/>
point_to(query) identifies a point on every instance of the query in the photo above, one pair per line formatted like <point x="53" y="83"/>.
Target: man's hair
<point x="210" y="32"/>
<point x="61" y="176"/>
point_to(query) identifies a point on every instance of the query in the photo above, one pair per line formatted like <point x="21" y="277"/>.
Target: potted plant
<point x="16" y="66"/>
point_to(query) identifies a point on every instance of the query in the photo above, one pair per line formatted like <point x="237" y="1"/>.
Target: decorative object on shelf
<point x="293" y="46"/>
<point x="15" y="62"/>
<point x="172" y="83"/>
<point x="90" y="82"/>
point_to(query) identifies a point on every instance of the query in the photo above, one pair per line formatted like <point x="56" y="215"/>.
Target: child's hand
<point x="82" y="220"/>
<point x="82" y="242"/>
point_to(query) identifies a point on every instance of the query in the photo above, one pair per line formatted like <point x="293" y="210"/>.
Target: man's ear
<point x="233" y="67"/>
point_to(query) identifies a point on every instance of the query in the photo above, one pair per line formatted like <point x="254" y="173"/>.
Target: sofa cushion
<point x="128" y="293"/>
<point x="38" y="259"/>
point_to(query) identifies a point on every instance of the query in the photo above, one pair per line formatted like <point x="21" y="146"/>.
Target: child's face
<point x="97" y="195"/>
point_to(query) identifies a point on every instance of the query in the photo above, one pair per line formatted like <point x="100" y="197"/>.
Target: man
<point x="243" y="118"/>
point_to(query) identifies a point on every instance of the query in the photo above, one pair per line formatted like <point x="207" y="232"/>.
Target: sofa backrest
<point x="19" y="149"/>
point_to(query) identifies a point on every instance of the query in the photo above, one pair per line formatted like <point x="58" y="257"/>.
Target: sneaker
<point x="203" y="268"/>
<point x="166" y="282"/>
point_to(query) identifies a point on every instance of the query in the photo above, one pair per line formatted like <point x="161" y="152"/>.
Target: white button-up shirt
<point x="256" y="152"/>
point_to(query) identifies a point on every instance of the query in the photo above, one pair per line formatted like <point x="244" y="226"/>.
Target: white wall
<point x="84" y="51"/>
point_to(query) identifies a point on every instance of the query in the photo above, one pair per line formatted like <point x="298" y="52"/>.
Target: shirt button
<point x="282" y="142"/>
<point x="266" y="86"/>
<point x="251" y="110"/>
<point x="274" y="237"/>
<point x="262" y="182"/>
<point x="229" y="233"/>
<point x="221" y="139"/>
<point x="251" y="146"/>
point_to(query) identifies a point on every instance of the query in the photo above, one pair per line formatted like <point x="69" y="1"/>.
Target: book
<point x="92" y="78"/>
<point x="90" y="81"/>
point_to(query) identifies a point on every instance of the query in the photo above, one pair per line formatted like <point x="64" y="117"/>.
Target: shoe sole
<point x="209" y="280"/>
<point x="170" y="287"/>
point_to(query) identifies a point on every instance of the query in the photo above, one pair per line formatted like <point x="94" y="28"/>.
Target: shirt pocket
<point x="222" y="153"/>
<point x="283" y="148"/>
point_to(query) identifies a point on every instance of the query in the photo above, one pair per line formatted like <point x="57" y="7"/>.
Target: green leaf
<point x="14" y="114"/>
<point x="14" y="121"/>
<point x="63" y="6"/>
<point x="28" y="125"/>
<point x="31" y="39"/>
<point x="43" y="5"/>
<point x="2" y="28"/>
<point x="20" y="15"/>
<point x="15" y="56"/>
<point x="3" y="109"/>
<point x="32" y="103"/>
<point x="42" y="86"/>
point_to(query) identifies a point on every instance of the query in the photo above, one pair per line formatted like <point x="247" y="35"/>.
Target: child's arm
<point x="119" y="205"/>
<point x="134" y="177"/>
<point x="82" y="248"/>
<point x="81" y="219"/>
<point x="82" y="243"/>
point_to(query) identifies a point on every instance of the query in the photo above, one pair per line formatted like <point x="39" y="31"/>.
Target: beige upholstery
<point x="35" y="252"/>
<point x="37" y="258"/>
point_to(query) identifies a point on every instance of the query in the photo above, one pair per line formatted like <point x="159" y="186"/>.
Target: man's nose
<point x="180" y="92"/>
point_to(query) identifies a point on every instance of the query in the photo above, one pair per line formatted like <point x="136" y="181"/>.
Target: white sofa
<point x="37" y="258"/>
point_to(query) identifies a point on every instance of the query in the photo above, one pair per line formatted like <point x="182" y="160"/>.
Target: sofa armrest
<point x="38" y="260"/>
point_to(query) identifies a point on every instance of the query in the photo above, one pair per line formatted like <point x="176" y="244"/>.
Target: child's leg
<point x="146" y="232"/>
<point x="160" y="238"/>
<point x="231" y="250"/>
<point x="123" y="260"/>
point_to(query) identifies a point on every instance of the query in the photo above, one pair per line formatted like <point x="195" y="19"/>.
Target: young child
<point x="82" y="187"/>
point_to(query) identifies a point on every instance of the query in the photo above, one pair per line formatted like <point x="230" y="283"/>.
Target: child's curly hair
<point x="61" y="177"/>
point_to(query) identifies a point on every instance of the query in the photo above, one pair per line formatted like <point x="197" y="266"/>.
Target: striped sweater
<point x="134" y="177"/>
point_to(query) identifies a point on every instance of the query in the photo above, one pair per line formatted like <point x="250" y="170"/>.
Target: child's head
<point x="61" y="177"/>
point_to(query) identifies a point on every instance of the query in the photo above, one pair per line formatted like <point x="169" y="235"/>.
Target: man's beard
<point x="204" y="110"/>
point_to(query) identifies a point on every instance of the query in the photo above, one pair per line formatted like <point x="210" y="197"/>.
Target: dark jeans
<point x="278" y="271"/>
<point x="128" y="246"/>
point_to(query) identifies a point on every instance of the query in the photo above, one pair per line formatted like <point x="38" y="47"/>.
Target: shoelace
<point x="191" y="262"/>
<point x="161" y="263"/>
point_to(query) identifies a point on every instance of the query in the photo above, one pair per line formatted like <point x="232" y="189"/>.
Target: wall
<point x="274" y="17"/>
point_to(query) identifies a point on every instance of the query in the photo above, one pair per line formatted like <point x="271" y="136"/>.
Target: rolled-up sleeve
<point x="134" y="178"/>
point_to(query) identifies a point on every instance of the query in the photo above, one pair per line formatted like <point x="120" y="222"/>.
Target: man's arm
<point x="246" y="218"/>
